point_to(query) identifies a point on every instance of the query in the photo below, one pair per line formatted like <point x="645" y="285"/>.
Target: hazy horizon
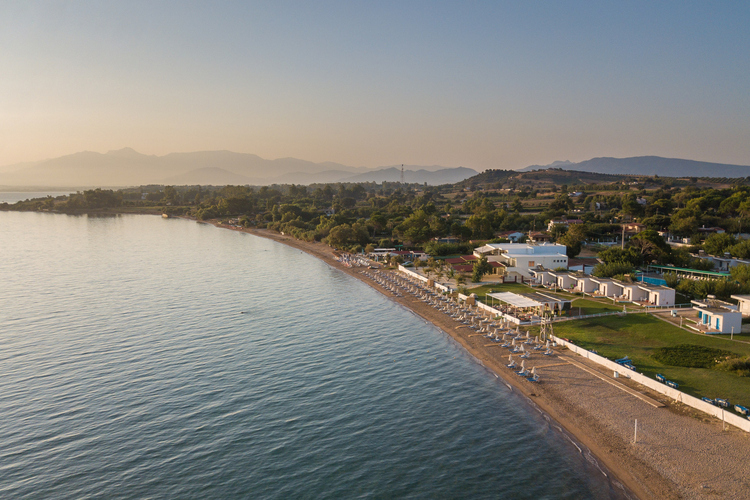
<point x="488" y="85"/>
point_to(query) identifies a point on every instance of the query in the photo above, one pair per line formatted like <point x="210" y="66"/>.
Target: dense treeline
<point x="355" y="216"/>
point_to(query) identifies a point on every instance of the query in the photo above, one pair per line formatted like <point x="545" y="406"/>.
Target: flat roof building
<point x="520" y="258"/>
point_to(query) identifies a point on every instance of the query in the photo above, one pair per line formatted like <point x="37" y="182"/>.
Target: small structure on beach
<point x="529" y="306"/>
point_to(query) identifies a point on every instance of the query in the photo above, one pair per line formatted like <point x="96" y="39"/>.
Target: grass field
<point x="640" y="335"/>
<point x="588" y="306"/>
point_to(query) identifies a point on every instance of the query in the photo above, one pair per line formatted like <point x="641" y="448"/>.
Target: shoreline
<point x="451" y="328"/>
<point x="684" y="457"/>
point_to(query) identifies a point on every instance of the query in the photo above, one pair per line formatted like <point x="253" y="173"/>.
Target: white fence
<point x="412" y="273"/>
<point x="677" y="395"/>
<point x="442" y="288"/>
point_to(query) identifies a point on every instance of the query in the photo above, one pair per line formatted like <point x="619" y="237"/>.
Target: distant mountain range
<point x="126" y="167"/>
<point x="650" y="165"/>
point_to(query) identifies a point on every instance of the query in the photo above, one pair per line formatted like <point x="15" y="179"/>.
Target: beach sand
<point x="679" y="453"/>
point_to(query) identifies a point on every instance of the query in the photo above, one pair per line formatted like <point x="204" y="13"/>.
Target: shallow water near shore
<point x="148" y="357"/>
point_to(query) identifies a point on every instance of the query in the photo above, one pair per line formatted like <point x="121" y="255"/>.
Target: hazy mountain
<point x="208" y="175"/>
<point x="127" y="167"/>
<point x="393" y="174"/>
<point x="651" y="165"/>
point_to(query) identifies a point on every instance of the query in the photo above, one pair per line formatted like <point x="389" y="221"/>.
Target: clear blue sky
<point x="478" y="84"/>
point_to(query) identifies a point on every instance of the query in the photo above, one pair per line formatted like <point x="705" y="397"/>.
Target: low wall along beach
<point x="677" y="395"/>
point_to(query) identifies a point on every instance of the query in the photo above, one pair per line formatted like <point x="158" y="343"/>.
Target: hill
<point x="127" y="167"/>
<point x="650" y="165"/>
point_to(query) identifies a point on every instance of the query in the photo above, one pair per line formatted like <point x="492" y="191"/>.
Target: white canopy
<point x="515" y="300"/>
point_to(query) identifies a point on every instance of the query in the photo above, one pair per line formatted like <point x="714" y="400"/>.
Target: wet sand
<point x="679" y="453"/>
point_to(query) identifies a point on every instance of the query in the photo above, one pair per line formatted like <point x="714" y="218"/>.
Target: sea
<point x="15" y="196"/>
<point x="143" y="357"/>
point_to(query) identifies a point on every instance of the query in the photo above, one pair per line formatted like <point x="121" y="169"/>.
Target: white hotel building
<point x="518" y="258"/>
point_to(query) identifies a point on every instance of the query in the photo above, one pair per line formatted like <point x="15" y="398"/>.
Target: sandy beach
<point x="679" y="453"/>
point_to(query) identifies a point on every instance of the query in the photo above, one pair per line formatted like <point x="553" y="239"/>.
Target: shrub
<point x="692" y="356"/>
<point x="737" y="366"/>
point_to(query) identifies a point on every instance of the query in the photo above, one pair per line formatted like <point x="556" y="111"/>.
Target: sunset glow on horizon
<point x="481" y="85"/>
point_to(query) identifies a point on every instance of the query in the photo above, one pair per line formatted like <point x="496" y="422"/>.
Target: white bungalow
<point x="743" y="304"/>
<point x="585" y="284"/>
<point x="713" y="318"/>
<point x="543" y="276"/>
<point x="607" y="287"/>
<point x="565" y="280"/>
<point x="633" y="291"/>
<point x="658" y="295"/>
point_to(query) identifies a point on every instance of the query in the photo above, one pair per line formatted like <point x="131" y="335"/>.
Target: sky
<point x="474" y="84"/>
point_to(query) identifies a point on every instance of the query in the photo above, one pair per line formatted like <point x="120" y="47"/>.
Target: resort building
<point x="565" y="280"/>
<point x="743" y="304"/>
<point x="563" y="222"/>
<point x="519" y="258"/>
<point x="539" y="237"/>
<point x="528" y="306"/>
<point x="632" y="291"/>
<point x="658" y="295"/>
<point x="512" y="236"/>
<point x="607" y="288"/>
<point x="716" y="316"/>
<point x="585" y="284"/>
<point x="542" y="276"/>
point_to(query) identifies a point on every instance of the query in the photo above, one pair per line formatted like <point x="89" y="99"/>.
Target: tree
<point x="717" y="244"/>
<point x="573" y="239"/>
<point x="558" y="230"/>
<point x="481" y="267"/>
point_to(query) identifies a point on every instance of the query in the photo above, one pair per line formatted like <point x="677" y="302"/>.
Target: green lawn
<point x="639" y="335"/>
<point x="588" y="306"/>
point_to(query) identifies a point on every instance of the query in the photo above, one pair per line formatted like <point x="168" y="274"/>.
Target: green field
<point x="640" y="335"/>
<point x="588" y="306"/>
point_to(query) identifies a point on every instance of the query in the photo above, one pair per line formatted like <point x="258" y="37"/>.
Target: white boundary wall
<point x="440" y="287"/>
<point x="491" y="310"/>
<point x="412" y="273"/>
<point x="677" y="395"/>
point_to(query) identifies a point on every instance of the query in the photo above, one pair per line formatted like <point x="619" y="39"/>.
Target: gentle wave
<point x="142" y="357"/>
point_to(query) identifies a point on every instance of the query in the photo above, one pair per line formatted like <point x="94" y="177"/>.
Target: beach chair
<point x="512" y="363"/>
<point x="534" y="375"/>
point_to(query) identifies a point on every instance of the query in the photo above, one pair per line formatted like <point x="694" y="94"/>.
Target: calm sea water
<point x="14" y="196"/>
<point x="151" y="358"/>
